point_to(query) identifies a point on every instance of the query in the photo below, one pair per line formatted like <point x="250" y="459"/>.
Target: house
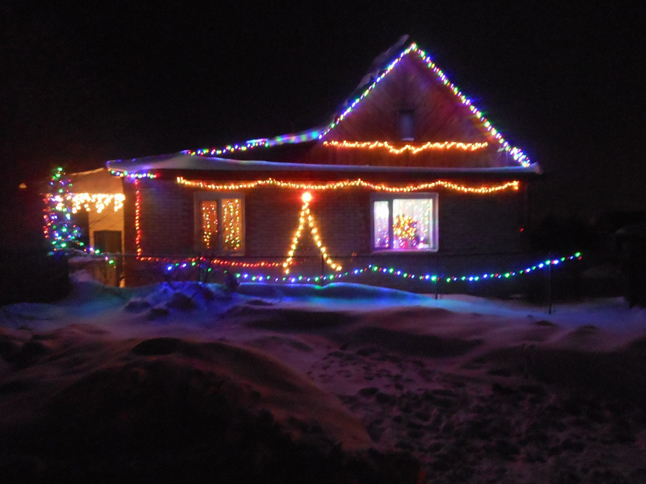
<point x="408" y="176"/>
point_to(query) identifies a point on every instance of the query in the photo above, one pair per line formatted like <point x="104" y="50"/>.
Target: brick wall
<point x="484" y="225"/>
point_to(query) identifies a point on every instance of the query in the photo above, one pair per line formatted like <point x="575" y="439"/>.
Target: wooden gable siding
<point x="411" y="85"/>
<point x="438" y="117"/>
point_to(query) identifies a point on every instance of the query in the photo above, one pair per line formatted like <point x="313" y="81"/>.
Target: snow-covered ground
<point x="459" y="389"/>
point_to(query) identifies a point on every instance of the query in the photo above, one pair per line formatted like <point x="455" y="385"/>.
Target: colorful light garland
<point x="390" y="271"/>
<point x="97" y="201"/>
<point x="133" y="176"/>
<point x="516" y="153"/>
<point x="358" y="183"/>
<point x="58" y="228"/>
<point x="306" y="214"/>
<point x="308" y="135"/>
<point x="430" y="146"/>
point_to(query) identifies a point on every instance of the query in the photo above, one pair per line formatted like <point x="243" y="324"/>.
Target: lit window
<point x="405" y="222"/>
<point x="219" y="223"/>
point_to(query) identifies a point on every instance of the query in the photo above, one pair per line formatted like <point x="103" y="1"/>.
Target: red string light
<point x="138" y="218"/>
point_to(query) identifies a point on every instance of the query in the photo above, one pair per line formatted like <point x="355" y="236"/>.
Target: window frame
<point x="390" y="197"/>
<point x="197" y="233"/>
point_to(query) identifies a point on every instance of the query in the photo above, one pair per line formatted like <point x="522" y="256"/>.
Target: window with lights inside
<point x="404" y="222"/>
<point x="219" y="223"/>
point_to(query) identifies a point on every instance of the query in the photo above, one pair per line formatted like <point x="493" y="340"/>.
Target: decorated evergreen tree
<point x="59" y="229"/>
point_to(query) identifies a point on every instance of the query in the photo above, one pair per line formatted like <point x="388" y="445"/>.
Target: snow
<point x="182" y="161"/>
<point x="473" y="389"/>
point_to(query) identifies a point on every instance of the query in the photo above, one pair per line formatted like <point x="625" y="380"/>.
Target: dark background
<point x="87" y="82"/>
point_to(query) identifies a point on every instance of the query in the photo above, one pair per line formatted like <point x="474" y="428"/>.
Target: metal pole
<point x="437" y="278"/>
<point x="549" y="284"/>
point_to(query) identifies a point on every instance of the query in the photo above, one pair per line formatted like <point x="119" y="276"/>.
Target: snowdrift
<point x="346" y="383"/>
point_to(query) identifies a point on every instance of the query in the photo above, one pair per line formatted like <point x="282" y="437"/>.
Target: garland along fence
<point x="546" y="277"/>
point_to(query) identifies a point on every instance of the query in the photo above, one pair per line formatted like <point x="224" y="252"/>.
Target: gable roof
<point x="379" y="71"/>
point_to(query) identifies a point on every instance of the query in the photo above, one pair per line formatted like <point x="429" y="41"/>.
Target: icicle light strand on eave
<point x="97" y="202"/>
<point x="515" y="152"/>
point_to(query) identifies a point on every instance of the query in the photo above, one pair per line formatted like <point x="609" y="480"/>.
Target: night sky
<point x="83" y="83"/>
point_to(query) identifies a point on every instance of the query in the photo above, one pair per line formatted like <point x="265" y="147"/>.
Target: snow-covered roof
<point x="183" y="161"/>
<point x="95" y="181"/>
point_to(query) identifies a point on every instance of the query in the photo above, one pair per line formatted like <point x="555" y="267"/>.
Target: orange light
<point x="306" y="217"/>
<point x="438" y="145"/>
<point x="357" y="183"/>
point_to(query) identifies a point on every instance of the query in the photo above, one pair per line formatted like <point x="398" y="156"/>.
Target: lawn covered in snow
<point x="342" y="383"/>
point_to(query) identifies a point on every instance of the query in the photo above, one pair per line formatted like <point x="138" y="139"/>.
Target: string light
<point x="232" y="224"/>
<point x="138" y="218"/>
<point x="58" y="228"/>
<point x="209" y="223"/>
<point x="97" y="201"/>
<point x="302" y="137"/>
<point x="358" y="183"/>
<point x="306" y="214"/>
<point x="133" y="176"/>
<point x="195" y="261"/>
<point x="443" y="145"/>
<point x="391" y="271"/>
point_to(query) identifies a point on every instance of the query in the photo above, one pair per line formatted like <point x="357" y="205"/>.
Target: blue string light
<point x="391" y="271"/>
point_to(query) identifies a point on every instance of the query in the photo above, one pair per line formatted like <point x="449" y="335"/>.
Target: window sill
<point x="403" y="251"/>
